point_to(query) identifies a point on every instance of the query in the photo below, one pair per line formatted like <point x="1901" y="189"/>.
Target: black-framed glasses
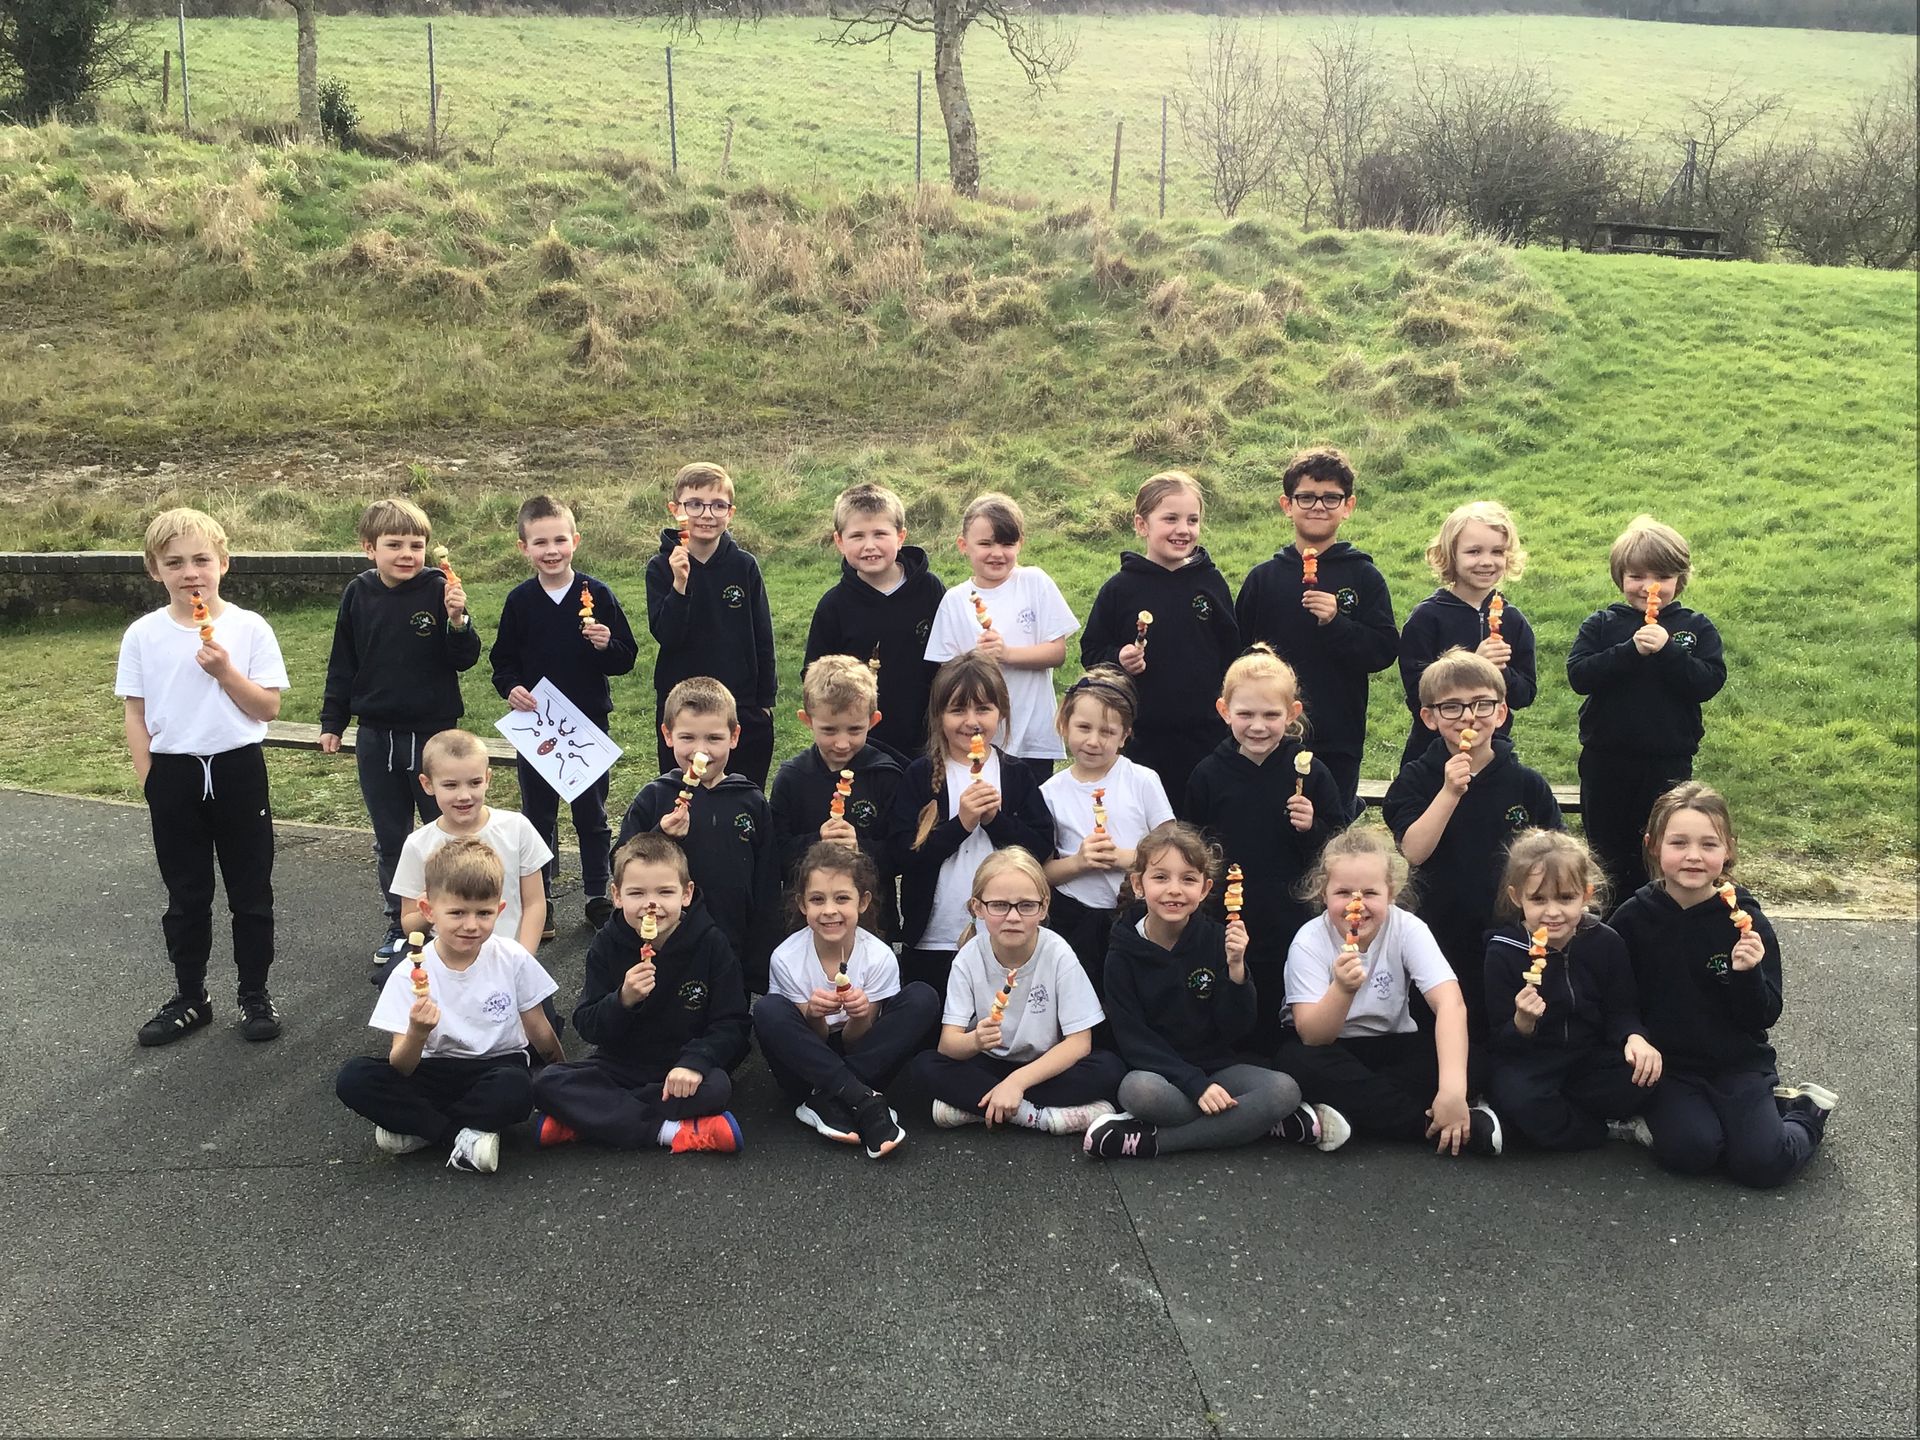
<point x="1454" y="709"/>
<point x="1319" y="502"/>
<point x="706" y="507"/>
<point x="999" y="908"/>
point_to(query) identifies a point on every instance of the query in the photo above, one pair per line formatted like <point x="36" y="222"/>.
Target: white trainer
<point x="395" y="1143"/>
<point x="477" y="1150"/>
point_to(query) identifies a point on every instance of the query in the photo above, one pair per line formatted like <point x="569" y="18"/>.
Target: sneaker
<point x="952" y="1117"/>
<point x="1119" y="1135"/>
<point x="258" y="1019"/>
<point x="1822" y="1098"/>
<point x="1334" y="1129"/>
<point x="395" y="1143"/>
<point x="599" y="911"/>
<point x="880" y="1132"/>
<point x="1484" y="1136"/>
<point x="178" y="1018"/>
<point x="1634" y="1131"/>
<point x="475" y="1150"/>
<point x="830" y="1117"/>
<point x="1074" y="1119"/>
<point x="547" y="1130"/>
<point x="392" y="947"/>
<point x="1809" y="1111"/>
<point x="547" y="931"/>
<point x="718" y="1133"/>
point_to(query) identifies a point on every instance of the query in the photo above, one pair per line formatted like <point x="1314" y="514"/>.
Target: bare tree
<point x="1853" y="199"/>
<point x="1741" y="162"/>
<point x="1713" y="124"/>
<point x="1348" y="114"/>
<point x="1234" y="114"/>
<point x="307" y="61"/>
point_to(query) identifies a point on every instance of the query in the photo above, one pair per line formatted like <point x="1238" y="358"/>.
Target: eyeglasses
<point x="706" y="507"/>
<point x="1454" y="709"/>
<point x="999" y="908"/>
<point x="1318" y="502"/>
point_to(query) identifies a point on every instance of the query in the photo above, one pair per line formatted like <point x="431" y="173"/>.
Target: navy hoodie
<point x="1176" y="1012"/>
<point x="696" y="1016"/>
<point x="1459" y="882"/>
<point x="1589" y="990"/>
<point x="1645" y="704"/>
<point x="1702" y="1015"/>
<point x="730" y="851"/>
<point x="1024" y="820"/>
<point x="395" y="661"/>
<point x="1243" y="808"/>
<point x="540" y="639"/>
<point x="1442" y="621"/>
<point x="721" y="627"/>
<point x="802" y="798"/>
<point x="1192" y="640"/>
<point x="1332" y="660"/>
<point x="891" y="630"/>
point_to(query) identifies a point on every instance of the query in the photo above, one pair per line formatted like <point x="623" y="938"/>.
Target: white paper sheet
<point x="569" y="750"/>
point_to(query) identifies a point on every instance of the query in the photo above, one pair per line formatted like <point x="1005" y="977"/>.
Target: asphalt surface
<point x="202" y="1240"/>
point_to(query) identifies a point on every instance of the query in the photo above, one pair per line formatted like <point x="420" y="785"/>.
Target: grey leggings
<point x="1266" y="1098"/>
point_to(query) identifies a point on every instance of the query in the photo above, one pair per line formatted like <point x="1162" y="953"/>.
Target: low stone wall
<point x="58" y="582"/>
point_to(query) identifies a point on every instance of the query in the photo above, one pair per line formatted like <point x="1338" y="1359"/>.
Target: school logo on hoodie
<point x="1721" y="965"/>
<point x="421" y="622"/>
<point x="1347" y="599"/>
<point x="693" y="995"/>
<point x="744" y="824"/>
<point x="863" y="813"/>
<point x="1517" y="816"/>
<point x="1683" y="641"/>
<point x="1200" y="982"/>
<point x="922" y="631"/>
<point x="734" y="596"/>
<point x="1202" y="606"/>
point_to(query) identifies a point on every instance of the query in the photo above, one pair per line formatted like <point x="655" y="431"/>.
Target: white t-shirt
<point x="480" y="1006"/>
<point x="510" y="835"/>
<point x="1404" y="947"/>
<point x="949" y="918"/>
<point x="1027" y="609"/>
<point x="187" y="711"/>
<point x="1052" y="996"/>
<point x="1135" y="802"/>
<point x="797" y="971"/>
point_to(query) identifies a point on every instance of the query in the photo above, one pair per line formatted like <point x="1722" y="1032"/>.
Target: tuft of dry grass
<point x="1112" y="272"/>
<point x="140" y="213"/>
<point x="1435" y="324"/>
<point x="225" y="215"/>
<point x="466" y="292"/>
<point x="598" y="353"/>
<point x="1168" y="300"/>
<point x="1183" y="433"/>
<point x="560" y="303"/>
<point x="1225" y="310"/>
<point x="774" y="257"/>
<point x="1441" y="386"/>
<point x="554" y="257"/>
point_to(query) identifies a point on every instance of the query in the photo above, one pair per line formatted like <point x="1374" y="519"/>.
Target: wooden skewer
<point x="1302" y="767"/>
<point x="201" y="619"/>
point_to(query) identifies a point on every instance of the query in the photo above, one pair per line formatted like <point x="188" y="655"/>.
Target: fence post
<point x="166" y="81"/>
<point x="919" y="109"/>
<point x="726" y="151"/>
<point x="186" y="96"/>
<point x="1113" y="190"/>
<point x="1693" y="152"/>
<point x="433" y="99"/>
<point x="673" y="127"/>
<point x="1163" y="157"/>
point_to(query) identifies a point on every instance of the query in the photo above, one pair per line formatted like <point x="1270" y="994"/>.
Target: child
<point x="544" y="635"/>
<point x="1457" y="808"/>
<point x="840" y="697"/>
<point x="1182" y="1003"/>
<point x="835" y="1024"/>
<point x="1335" y="632"/>
<point x="198" y="695"/>
<point x="1571" y="1064"/>
<point x="454" y="771"/>
<point x="667" y="1018"/>
<point x="1013" y="614"/>
<point x="1016" y="1039"/>
<point x="881" y="612"/>
<point x="1191" y="636"/>
<point x="1095" y="719"/>
<point x="950" y="811"/>
<point x="400" y="641"/>
<point x="1710" y="989"/>
<point x="456" y="1072"/>
<point x="724" y="826"/>
<point x="1645" y="681"/>
<point x="1353" y="1041"/>
<point x="707" y="608"/>
<point x="1267" y="816"/>
<point x="1478" y="547"/>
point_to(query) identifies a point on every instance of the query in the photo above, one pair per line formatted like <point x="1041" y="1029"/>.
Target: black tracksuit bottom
<point x="1383" y="1084"/>
<point x="204" y="810"/>
<point x="540" y="803"/>
<point x="1562" y="1099"/>
<point x="961" y="1083"/>
<point x="388" y="765"/>
<point x="1730" y="1118"/>
<point x="1617" y="791"/>
<point x="606" y="1102"/>
<point x="443" y="1095"/>
<point x="803" y="1062"/>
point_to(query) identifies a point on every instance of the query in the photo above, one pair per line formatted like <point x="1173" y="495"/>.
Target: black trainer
<point x="1484" y="1135"/>
<point x="880" y="1133"/>
<point x="258" y="1019"/>
<point x="599" y="911"/>
<point x="392" y="945"/>
<point x="178" y="1018"/>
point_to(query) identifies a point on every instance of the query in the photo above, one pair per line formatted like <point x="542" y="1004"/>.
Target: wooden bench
<point x="1633" y="237"/>
<point x="1374" y="792"/>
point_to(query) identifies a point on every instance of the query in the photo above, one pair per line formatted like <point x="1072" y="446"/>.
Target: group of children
<point x="1062" y="949"/>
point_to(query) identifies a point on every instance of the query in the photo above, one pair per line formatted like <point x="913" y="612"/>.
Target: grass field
<point x="806" y="114"/>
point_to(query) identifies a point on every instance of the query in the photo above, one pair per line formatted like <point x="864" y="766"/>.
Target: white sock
<point x="1029" y="1115"/>
<point x="668" y="1129"/>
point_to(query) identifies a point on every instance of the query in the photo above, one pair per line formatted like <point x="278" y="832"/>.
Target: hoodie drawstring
<point x="206" y="776"/>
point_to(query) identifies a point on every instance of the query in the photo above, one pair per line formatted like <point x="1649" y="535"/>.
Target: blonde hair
<point x="966" y="679"/>
<point x="1166" y="483"/>
<point x="1017" y="860"/>
<point x="700" y="475"/>
<point x="1261" y="666"/>
<point x="1105" y="685"/>
<point x="1184" y="840"/>
<point x="651" y="848"/>
<point x="466" y="870"/>
<point x="1458" y="669"/>
<point x="1494" y="516"/>
<point x="169" y="525"/>
<point x="395" y="515"/>
<point x="868" y="499"/>
<point x="703" y="695"/>
<point x="1647" y="545"/>
<point x="1561" y="859"/>
<point x="1688" y="795"/>
<point x="1007" y="521"/>
<point x="1357" y="842"/>
<point x="839" y="682"/>
<point x="451" y="745"/>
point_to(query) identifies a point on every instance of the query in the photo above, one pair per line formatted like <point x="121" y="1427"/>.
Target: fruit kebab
<point x="1099" y="812"/>
<point x="842" y="789"/>
<point x="977" y="754"/>
<point x="1653" y="605"/>
<point x="202" y="619"/>
<point x="696" y="772"/>
<point x="1302" y="768"/>
<point x="1140" y="624"/>
<point x="1236" y="891"/>
<point x="999" y="1008"/>
<point x="649" y="932"/>
<point x="1310" y="566"/>
<point x="440" y="559"/>
<point x="586" y="605"/>
<point x="417" y="943"/>
<point x="1537" y="953"/>
<point x="1496" y="612"/>
<point x="980" y="611"/>
<point x="1742" y="921"/>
